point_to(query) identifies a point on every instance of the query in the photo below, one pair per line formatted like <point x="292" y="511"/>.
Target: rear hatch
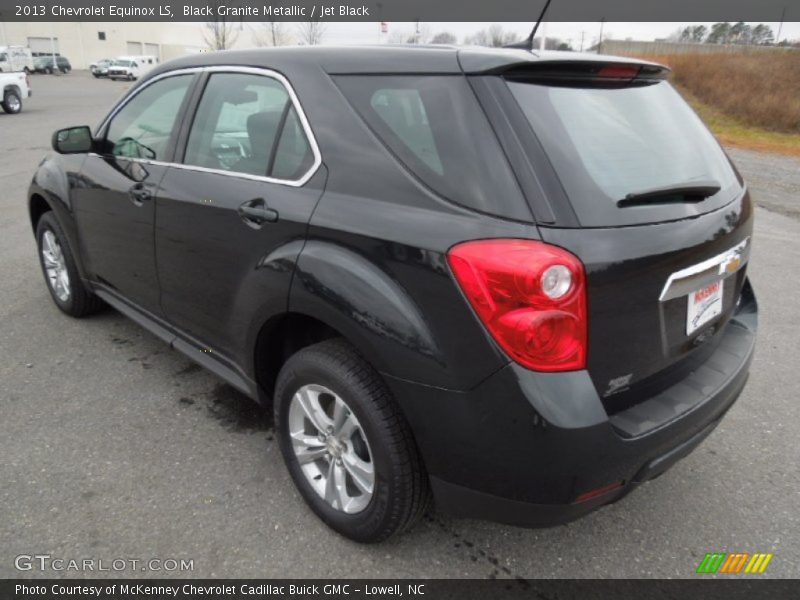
<point x="642" y="193"/>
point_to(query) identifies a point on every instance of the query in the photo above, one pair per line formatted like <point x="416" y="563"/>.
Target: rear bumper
<point x="523" y="447"/>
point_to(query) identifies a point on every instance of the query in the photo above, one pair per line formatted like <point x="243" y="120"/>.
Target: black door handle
<point x="256" y="212"/>
<point x="139" y="194"/>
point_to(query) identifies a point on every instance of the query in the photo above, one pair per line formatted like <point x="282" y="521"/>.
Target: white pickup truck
<point x="15" y="87"/>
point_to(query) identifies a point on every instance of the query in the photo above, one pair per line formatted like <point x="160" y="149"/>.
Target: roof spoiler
<point x="581" y="73"/>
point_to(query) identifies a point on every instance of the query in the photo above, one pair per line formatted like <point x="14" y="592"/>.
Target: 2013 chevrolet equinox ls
<point x="511" y="281"/>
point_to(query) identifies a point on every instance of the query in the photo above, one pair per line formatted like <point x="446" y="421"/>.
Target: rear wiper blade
<point x="696" y="191"/>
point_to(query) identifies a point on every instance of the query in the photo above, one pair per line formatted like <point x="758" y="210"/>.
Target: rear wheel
<point x="60" y="272"/>
<point x="347" y="445"/>
<point x="12" y="103"/>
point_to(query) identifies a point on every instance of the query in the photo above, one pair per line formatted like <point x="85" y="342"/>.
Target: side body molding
<point x="366" y="305"/>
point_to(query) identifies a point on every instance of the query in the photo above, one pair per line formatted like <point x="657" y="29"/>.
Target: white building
<point x="86" y="42"/>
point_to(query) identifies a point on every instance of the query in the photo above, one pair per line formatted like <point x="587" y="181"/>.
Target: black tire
<point x="12" y="103"/>
<point x="401" y="491"/>
<point x="81" y="301"/>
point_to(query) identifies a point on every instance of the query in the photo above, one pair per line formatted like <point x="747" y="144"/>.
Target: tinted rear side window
<point x="606" y="143"/>
<point x="435" y="127"/>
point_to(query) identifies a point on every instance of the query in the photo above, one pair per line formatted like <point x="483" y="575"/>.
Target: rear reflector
<point x="599" y="491"/>
<point x="530" y="296"/>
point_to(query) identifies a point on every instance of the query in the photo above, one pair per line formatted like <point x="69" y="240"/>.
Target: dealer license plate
<point x="704" y="305"/>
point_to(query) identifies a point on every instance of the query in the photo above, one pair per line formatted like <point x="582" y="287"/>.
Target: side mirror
<point x="73" y="140"/>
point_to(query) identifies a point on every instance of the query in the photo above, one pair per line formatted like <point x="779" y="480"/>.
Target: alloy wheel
<point x="55" y="266"/>
<point x="331" y="448"/>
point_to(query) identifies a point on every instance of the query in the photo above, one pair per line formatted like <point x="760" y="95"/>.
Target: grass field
<point x="748" y="101"/>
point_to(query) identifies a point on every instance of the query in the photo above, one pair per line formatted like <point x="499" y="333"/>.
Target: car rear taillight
<point x="531" y="296"/>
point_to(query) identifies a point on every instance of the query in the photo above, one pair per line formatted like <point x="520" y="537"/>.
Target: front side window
<point x="142" y="128"/>
<point x="247" y="123"/>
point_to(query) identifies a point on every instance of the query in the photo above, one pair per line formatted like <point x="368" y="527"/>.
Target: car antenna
<point x="527" y="44"/>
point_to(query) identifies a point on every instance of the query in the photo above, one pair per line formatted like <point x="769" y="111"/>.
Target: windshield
<point x="122" y="63"/>
<point x="606" y="143"/>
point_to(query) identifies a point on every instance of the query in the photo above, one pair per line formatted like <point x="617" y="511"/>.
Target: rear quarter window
<point x="435" y="127"/>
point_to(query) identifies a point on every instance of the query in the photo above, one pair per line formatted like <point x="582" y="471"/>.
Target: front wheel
<point x="12" y="103"/>
<point x="346" y="444"/>
<point x="60" y="272"/>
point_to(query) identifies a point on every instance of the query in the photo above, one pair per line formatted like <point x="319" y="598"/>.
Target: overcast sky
<point x="361" y="33"/>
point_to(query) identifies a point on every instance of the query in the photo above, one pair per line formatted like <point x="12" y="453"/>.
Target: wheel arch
<point x="279" y="338"/>
<point x="360" y="298"/>
<point x="37" y="206"/>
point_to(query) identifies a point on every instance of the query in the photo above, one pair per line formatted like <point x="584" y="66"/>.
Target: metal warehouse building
<point x="84" y="43"/>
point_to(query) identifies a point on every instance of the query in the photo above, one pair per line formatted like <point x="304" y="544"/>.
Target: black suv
<point x="511" y="282"/>
<point x="49" y="65"/>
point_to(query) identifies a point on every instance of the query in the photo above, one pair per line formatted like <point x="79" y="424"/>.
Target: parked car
<point x="100" y="68"/>
<point x="514" y="280"/>
<point x="49" y="65"/>
<point x="15" y="87"/>
<point x="15" y="58"/>
<point x="131" y="67"/>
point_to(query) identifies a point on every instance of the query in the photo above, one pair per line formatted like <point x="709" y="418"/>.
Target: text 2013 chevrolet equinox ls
<point x="514" y="282"/>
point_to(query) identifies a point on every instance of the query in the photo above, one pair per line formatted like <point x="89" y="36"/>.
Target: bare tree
<point x="552" y="43"/>
<point x="495" y="36"/>
<point x="479" y="38"/>
<point x="271" y="33"/>
<point x="220" y="34"/>
<point x="311" y="32"/>
<point x="443" y="37"/>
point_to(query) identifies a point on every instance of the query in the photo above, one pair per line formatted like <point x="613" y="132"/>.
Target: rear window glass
<point x="606" y="143"/>
<point x="435" y="127"/>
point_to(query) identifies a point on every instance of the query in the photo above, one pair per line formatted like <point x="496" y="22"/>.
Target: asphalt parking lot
<point x="114" y="446"/>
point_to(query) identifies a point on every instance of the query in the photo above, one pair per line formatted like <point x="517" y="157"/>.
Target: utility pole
<point x="600" y="41"/>
<point x="380" y="21"/>
<point x="780" y="26"/>
<point x="583" y="33"/>
<point x="53" y="53"/>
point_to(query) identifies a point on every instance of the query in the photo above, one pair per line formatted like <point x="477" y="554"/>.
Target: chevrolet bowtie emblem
<point x="731" y="265"/>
